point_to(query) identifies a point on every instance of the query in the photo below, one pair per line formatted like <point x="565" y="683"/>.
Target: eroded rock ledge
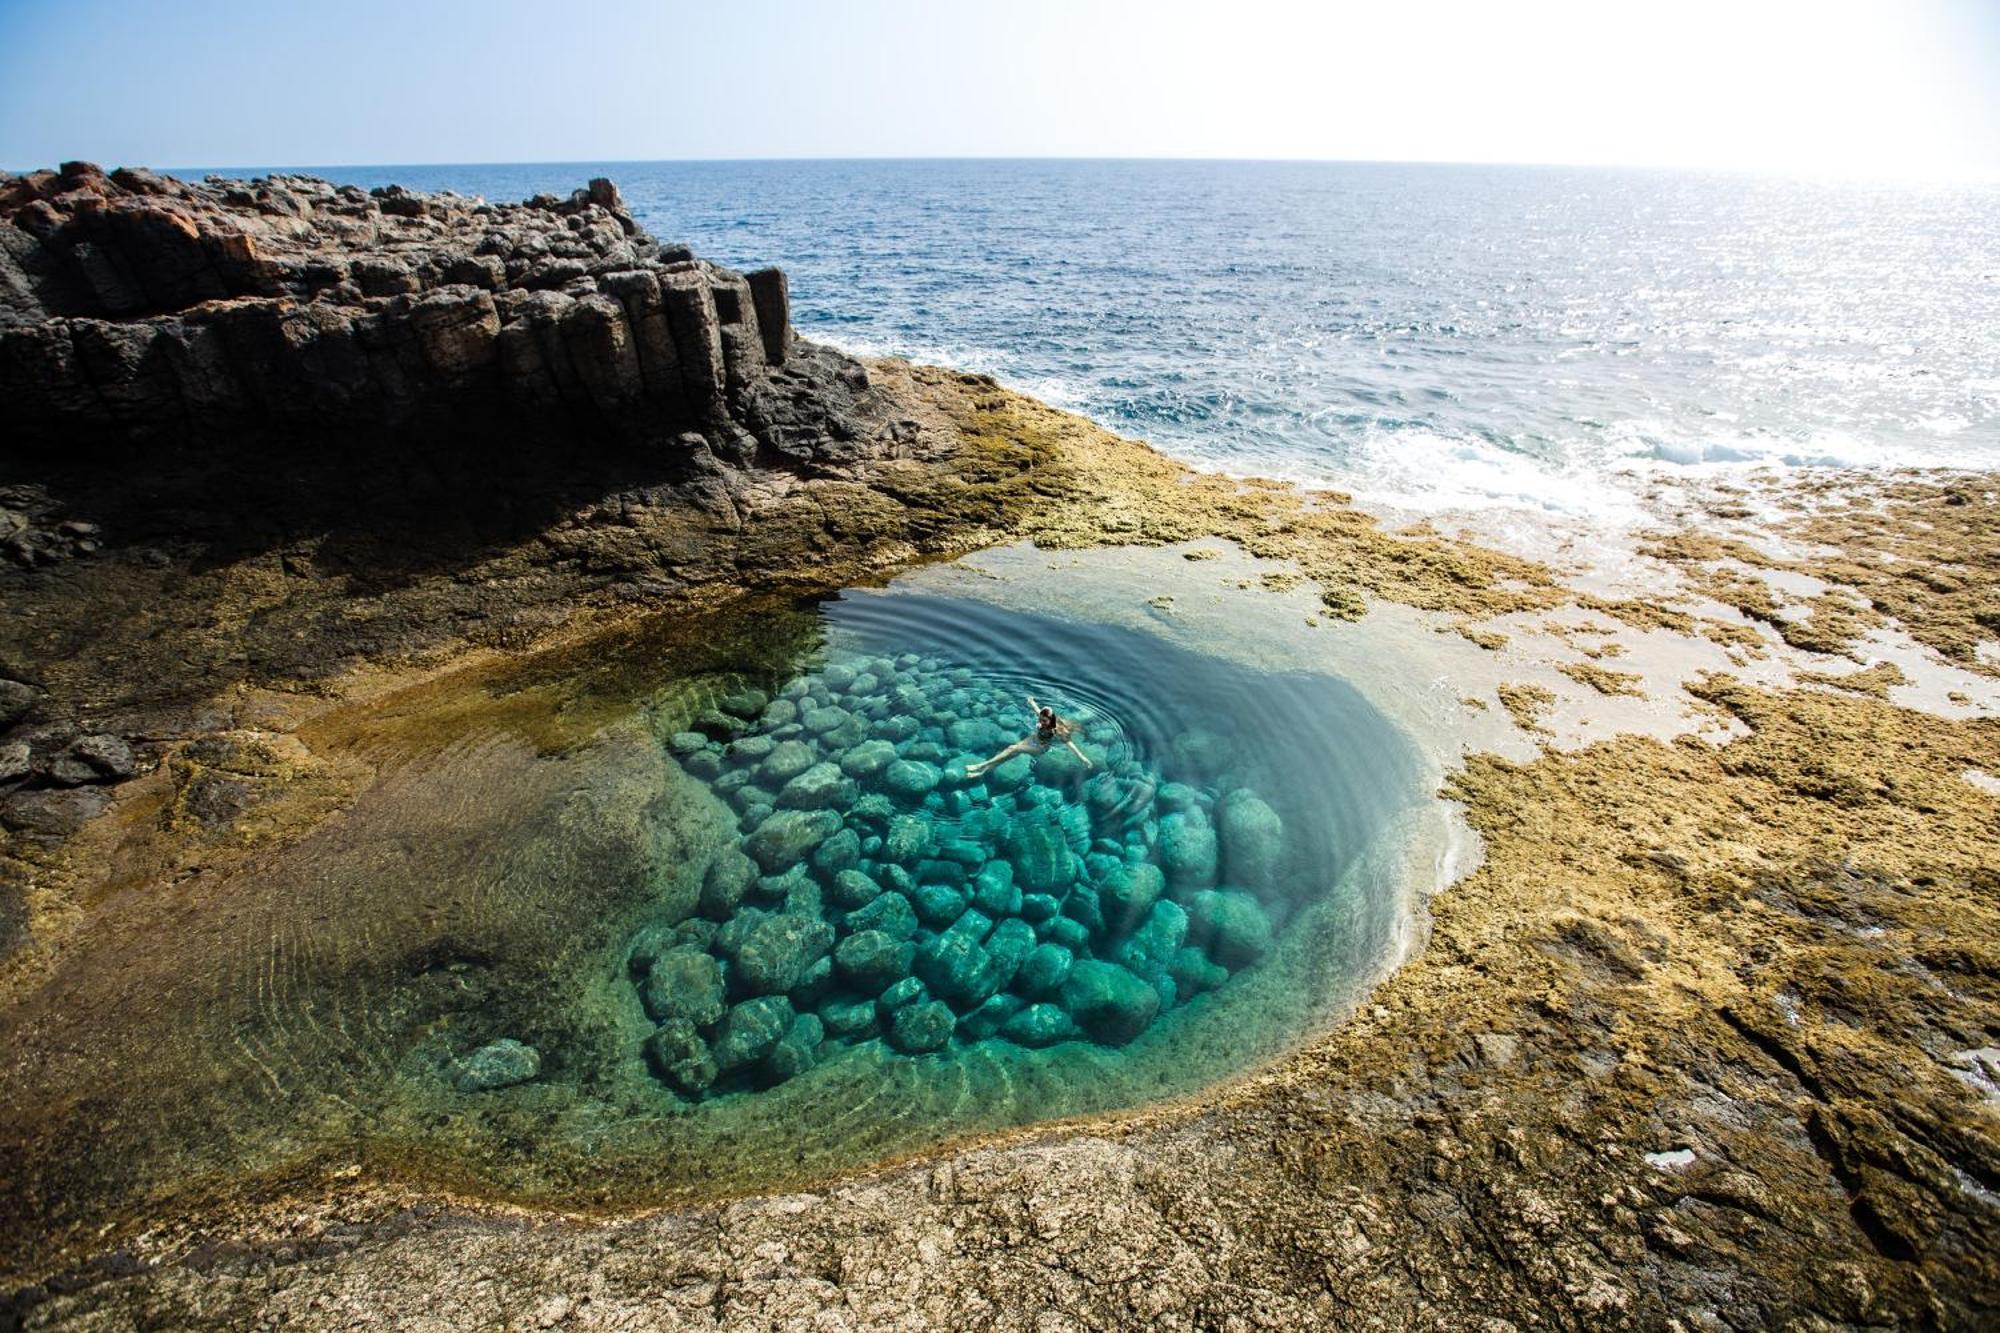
<point x="134" y="304"/>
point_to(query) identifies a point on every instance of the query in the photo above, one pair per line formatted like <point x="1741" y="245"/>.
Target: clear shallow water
<point x="529" y="833"/>
<point x="1426" y="335"/>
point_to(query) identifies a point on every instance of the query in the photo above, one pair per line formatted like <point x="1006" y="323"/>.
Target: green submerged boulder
<point x="1126" y="893"/>
<point x="1187" y="849"/>
<point x="684" y="984"/>
<point x="867" y="759"/>
<point x="917" y="1028"/>
<point x="784" y="839"/>
<point x="729" y="877"/>
<point x="500" y="1064"/>
<point x="750" y="1031"/>
<point x="1044" y="970"/>
<point x="1108" y="1002"/>
<point x="1151" y="949"/>
<point x="911" y="779"/>
<point x="796" y="1051"/>
<point x="1039" y="1025"/>
<point x="1232" y="925"/>
<point x="772" y="952"/>
<point x="786" y="761"/>
<point x="871" y="961"/>
<point x="889" y="913"/>
<point x="681" y="1058"/>
<point x="821" y="787"/>
<point x="1252" y="838"/>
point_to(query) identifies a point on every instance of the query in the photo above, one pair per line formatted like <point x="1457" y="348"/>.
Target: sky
<point x="1848" y="87"/>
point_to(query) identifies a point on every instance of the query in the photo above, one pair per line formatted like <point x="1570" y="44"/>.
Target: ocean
<point x="1427" y="337"/>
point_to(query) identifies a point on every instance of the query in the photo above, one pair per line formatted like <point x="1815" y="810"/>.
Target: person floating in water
<point x="1048" y="730"/>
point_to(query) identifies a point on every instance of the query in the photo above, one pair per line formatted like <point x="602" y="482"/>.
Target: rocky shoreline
<point x="1705" y="1042"/>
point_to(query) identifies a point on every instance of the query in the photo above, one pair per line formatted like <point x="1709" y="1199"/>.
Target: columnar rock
<point x="133" y="304"/>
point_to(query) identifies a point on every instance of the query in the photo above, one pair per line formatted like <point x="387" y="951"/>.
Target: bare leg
<point x="978" y="769"/>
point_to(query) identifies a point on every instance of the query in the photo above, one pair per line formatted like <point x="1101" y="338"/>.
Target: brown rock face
<point x="133" y="305"/>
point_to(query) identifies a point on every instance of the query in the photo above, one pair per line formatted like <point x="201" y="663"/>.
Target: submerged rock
<point x="917" y="1028"/>
<point x="684" y="984"/>
<point x="682" y="1059"/>
<point x="500" y="1064"/>
<point x="1252" y="838"/>
<point x="1232" y="925"/>
<point x="782" y="840"/>
<point x="1039" y="1025"/>
<point x="772" y="953"/>
<point x="1109" y="1003"/>
<point x="750" y="1031"/>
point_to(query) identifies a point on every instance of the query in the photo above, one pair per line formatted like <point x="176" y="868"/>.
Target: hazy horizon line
<point x="1763" y="171"/>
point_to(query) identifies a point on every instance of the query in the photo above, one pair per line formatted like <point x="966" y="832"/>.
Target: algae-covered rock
<point x="681" y="1058"/>
<point x="1044" y="970"/>
<point x="838" y="853"/>
<point x="987" y="1019"/>
<point x="685" y="743"/>
<point x="1152" y="947"/>
<point x="917" y="1028"/>
<point x="1066" y="931"/>
<point x="783" y="840"/>
<point x="1041" y="856"/>
<point x="1232" y="925"/>
<point x="1058" y="766"/>
<point x="818" y="788"/>
<point x="1109" y="1003"/>
<point x="852" y="890"/>
<point x="750" y="1031"/>
<point x="796" y="1051"/>
<point x="873" y="960"/>
<point x="1187" y="850"/>
<point x="867" y="759"/>
<point x="1193" y="973"/>
<point x="889" y="913"/>
<point x="499" y="1064"/>
<point x="705" y="765"/>
<point x="771" y="955"/>
<point x="723" y="887"/>
<point x="1252" y="838"/>
<point x="955" y="965"/>
<point x="850" y="1018"/>
<point x="1127" y="891"/>
<point x="908" y="838"/>
<point x="1012" y="775"/>
<point x="910" y="779"/>
<point x="786" y="761"/>
<point x="994" y="891"/>
<point x="684" y="984"/>
<point x="939" y="904"/>
<point x="907" y="991"/>
<point x="1039" y="1025"/>
<point x="748" y="751"/>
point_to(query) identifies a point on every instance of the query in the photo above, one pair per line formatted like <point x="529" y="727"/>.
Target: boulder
<point x="871" y="961"/>
<point x="1193" y="973"/>
<point x="1039" y="1025"/>
<point x="908" y="838"/>
<point x="796" y="1051"/>
<point x="771" y="955"/>
<point x="1127" y="891"/>
<point x="850" y="1018"/>
<point x="16" y="700"/>
<point x="905" y="992"/>
<point x="684" y="984"/>
<point x="1187" y="850"/>
<point x="867" y="759"/>
<point x="1040" y="852"/>
<point x="784" y="839"/>
<point x="838" y="854"/>
<point x="939" y="904"/>
<point x="889" y="913"/>
<point x="1109" y="1003"/>
<point x="1232" y="925"/>
<point x="1252" y="838"/>
<point x="911" y="780"/>
<point x="750" y="1031"/>
<point x="681" y="1058"/>
<point x="1149" y="953"/>
<point x="1044" y="970"/>
<point x="917" y="1028"/>
<point x="786" y="761"/>
<point x="500" y="1064"/>
<point x="818" y="788"/>
<point x="987" y="1019"/>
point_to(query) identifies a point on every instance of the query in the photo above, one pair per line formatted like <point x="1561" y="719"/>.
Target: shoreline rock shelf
<point x="136" y="305"/>
<point x="875" y="892"/>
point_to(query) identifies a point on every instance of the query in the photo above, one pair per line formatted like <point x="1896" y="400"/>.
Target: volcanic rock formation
<point x="137" y="305"/>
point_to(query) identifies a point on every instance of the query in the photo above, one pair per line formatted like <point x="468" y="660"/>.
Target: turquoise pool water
<point x="881" y="897"/>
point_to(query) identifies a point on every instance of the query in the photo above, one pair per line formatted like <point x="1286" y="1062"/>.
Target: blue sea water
<point x="1426" y="335"/>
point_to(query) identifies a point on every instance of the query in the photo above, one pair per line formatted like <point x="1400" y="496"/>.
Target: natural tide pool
<point x="717" y="907"/>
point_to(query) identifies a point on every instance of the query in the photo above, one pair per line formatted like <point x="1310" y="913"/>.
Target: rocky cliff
<point x="134" y="305"/>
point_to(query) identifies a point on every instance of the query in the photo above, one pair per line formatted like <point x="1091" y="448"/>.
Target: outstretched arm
<point x="1070" y="741"/>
